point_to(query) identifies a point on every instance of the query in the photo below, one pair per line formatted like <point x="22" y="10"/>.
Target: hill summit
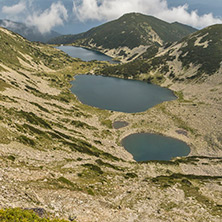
<point x="129" y="36"/>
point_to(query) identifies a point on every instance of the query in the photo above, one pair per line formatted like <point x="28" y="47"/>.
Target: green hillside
<point x="197" y="54"/>
<point x="131" y="30"/>
<point x="15" y="48"/>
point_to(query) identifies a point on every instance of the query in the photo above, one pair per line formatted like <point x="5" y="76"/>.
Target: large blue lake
<point x="128" y="96"/>
<point x="145" y="146"/>
<point x="85" y="54"/>
<point x="116" y="94"/>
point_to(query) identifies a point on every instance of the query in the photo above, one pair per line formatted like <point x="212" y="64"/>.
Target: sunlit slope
<point x="194" y="57"/>
<point x="130" y="31"/>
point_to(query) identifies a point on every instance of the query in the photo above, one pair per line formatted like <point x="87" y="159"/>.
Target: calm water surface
<point x="144" y="146"/>
<point x="128" y="96"/>
<point x="116" y="94"/>
<point x="85" y="54"/>
<point x="120" y="124"/>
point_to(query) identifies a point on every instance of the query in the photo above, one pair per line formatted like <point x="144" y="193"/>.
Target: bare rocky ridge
<point x="65" y="157"/>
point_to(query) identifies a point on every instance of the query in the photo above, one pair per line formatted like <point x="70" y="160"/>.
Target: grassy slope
<point x="202" y="50"/>
<point x="10" y="215"/>
<point x="131" y="30"/>
<point x="68" y="156"/>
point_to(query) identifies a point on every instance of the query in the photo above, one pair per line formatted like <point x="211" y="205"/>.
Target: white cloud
<point x="111" y="9"/>
<point x="14" y="9"/>
<point x="50" y="18"/>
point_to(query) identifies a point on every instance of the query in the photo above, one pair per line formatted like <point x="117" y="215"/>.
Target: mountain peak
<point x="128" y="36"/>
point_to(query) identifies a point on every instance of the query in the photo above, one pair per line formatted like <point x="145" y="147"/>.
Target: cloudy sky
<point x="74" y="16"/>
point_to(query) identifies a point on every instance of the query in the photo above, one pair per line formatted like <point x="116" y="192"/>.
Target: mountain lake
<point x="85" y="54"/>
<point x="145" y="146"/>
<point x="128" y="96"/>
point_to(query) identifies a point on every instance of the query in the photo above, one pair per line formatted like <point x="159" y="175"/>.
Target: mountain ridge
<point x="195" y="56"/>
<point x="29" y="32"/>
<point x="129" y="36"/>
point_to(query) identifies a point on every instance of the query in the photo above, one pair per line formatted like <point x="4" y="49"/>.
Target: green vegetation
<point x="102" y="163"/>
<point x="202" y="49"/>
<point x="3" y="85"/>
<point x="80" y="124"/>
<point x="26" y="140"/>
<point x="4" y="135"/>
<point x="130" y="175"/>
<point x="14" y="48"/>
<point x="66" y="181"/>
<point x="107" y="123"/>
<point x="94" y="168"/>
<point x="19" y="215"/>
<point x="34" y="119"/>
<point x="11" y="157"/>
<point x="188" y="183"/>
<point x="179" y="122"/>
<point x="208" y="57"/>
<point x="40" y="107"/>
<point x="131" y="30"/>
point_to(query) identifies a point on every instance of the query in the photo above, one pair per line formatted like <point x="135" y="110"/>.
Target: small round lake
<point x="120" y="124"/>
<point x="85" y="54"/>
<point x="145" y="146"/>
<point x="116" y="94"/>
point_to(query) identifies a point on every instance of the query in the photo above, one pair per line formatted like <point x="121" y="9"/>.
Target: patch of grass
<point x="107" y="123"/>
<point x="80" y="124"/>
<point x="66" y="181"/>
<point x="186" y="183"/>
<point x="3" y="85"/>
<point x="40" y="107"/>
<point x="178" y="121"/>
<point x="35" y="130"/>
<point x="4" y="135"/>
<point x="180" y="96"/>
<point x="20" y="215"/>
<point x="93" y="167"/>
<point x="164" y="162"/>
<point x="25" y="140"/>
<point x="11" y="157"/>
<point x="90" y="192"/>
<point x="102" y="163"/>
<point x="32" y="118"/>
<point x="130" y="175"/>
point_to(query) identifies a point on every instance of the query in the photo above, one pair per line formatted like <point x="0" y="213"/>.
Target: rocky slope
<point x="129" y="36"/>
<point x="195" y="57"/>
<point x="65" y="157"/>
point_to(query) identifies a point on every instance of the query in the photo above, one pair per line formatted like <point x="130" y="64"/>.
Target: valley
<point x="64" y="156"/>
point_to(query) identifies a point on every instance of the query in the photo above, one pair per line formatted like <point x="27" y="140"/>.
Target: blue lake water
<point x="145" y="146"/>
<point x="128" y="96"/>
<point x="85" y="54"/>
<point x="116" y="94"/>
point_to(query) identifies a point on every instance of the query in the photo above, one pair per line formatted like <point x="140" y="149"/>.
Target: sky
<point x="75" y="16"/>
